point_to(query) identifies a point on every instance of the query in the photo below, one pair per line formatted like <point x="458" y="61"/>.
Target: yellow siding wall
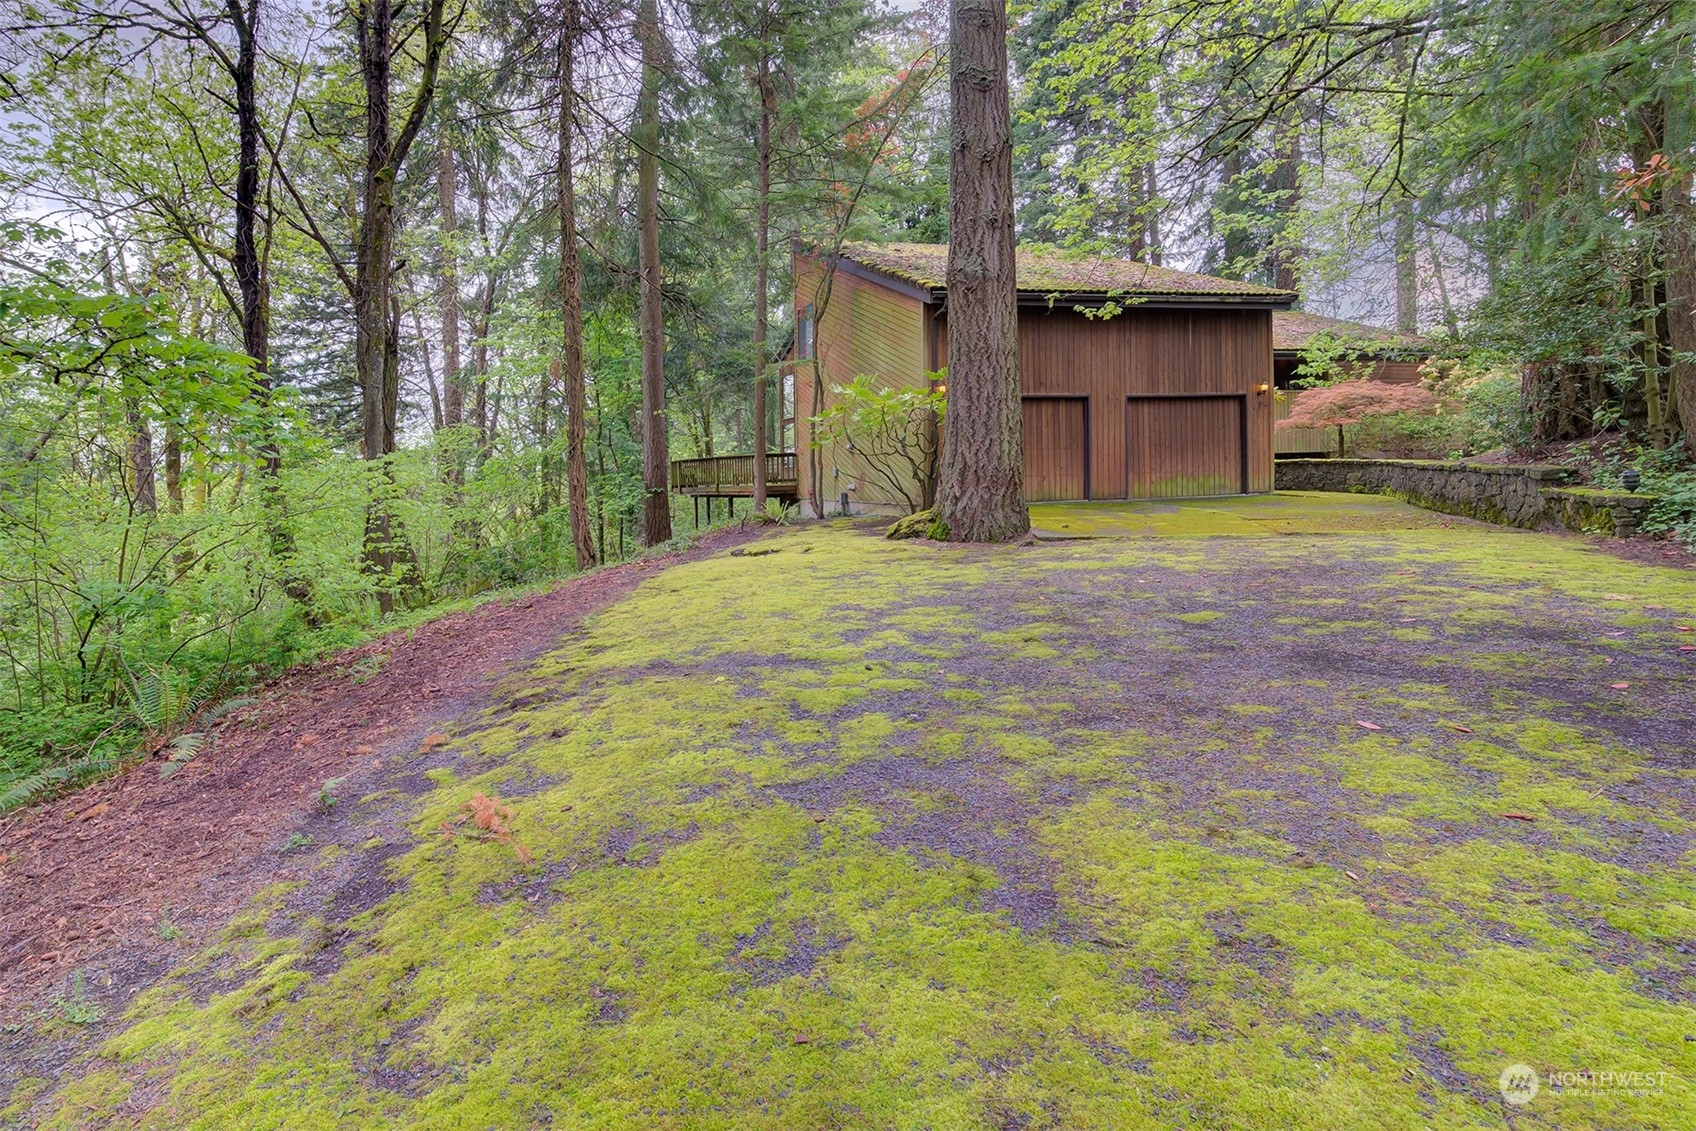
<point x="863" y="329"/>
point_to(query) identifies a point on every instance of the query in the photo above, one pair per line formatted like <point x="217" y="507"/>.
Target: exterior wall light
<point x="1263" y="388"/>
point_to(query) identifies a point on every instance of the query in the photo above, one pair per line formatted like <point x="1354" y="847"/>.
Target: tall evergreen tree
<point x="981" y="493"/>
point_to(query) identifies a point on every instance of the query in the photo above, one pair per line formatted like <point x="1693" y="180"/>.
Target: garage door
<point x="1182" y="447"/>
<point x="1056" y="448"/>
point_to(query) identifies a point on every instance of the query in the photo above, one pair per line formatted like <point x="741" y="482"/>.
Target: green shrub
<point x="1479" y="410"/>
<point x="893" y="431"/>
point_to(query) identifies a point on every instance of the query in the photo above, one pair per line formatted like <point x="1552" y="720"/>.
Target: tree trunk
<point x="656" y="503"/>
<point x="1679" y="263"/>
<point x="253" y="287"/>
<point x="480" y="366"/>
<point x="1407" y="269"/>
<point x="1680" y="260"/>
<point x="1134" y="219"/>
<point x="430" y="382"/>
<point x="174" y="468"/>
<point x="762" y="240"/>
<point x="244" y="253"/>
<point x="372" y="254"/>
<point x="1151" y="219"/>
<point x="376" y="236"/>
<point x="480" y="328"/>
<point x="447" y="192"/>
<point x="1654" y="394"/>
<point x="981" y="497"/>
<point x="376" y="330"/>
<point x="141" y="463"/>
<point x="571" y="307"/>
<point x="1238" y="242"/>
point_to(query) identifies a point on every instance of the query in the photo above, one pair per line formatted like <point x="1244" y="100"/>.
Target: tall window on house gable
<point x="804" y="333"/>
<point x="786" y="412"/>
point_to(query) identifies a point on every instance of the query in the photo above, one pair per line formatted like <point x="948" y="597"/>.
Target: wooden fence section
<point x="720" y="477"/>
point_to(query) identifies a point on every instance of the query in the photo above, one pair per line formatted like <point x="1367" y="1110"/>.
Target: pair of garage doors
<point x="1173" y="447"/>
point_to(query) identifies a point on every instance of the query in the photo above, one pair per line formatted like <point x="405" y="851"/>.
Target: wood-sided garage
<point x="1138" y="381"/>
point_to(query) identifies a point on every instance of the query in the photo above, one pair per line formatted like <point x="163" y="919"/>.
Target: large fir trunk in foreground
<point x="656" y="503"/>
<point x="981" y="496"/>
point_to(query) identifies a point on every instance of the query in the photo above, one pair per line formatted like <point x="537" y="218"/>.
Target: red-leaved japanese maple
<point x="1350" y="402"/>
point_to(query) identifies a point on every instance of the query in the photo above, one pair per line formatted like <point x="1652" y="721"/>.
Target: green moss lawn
<point x="1313" y="814"/>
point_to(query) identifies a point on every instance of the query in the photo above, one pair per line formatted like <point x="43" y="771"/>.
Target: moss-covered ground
<point x="1317" y="824"/>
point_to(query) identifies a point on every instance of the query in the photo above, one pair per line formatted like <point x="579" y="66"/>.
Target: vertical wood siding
<point x="1397" y="372"/>
<point x="1056" y="448"/>
<point x="864" y="329"/>
<point x="1155" y="352"/>
<point x="1183" y="447"/>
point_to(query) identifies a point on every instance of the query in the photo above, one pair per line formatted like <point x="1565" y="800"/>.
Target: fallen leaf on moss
<point x="1518" y="817"/>
<point x="431" y="741"/>
<point x="1350" y="875"/>
<point x="1367" y="725"/>
<point x="1457" y="726"/>
<point x="1619" y="686"/>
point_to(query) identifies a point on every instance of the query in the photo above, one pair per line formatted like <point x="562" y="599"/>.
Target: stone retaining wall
<point x="1529" y="495"/>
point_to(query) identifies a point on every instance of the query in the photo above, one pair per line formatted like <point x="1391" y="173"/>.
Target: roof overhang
<point x="1071" y="300"/>
<point x="1156" y="302"/>
<point x="882" y="279"/>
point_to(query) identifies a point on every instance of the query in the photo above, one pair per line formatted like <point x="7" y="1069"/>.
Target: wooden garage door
<point x="1182" y="447"/>
<point x="1056" y="448"/>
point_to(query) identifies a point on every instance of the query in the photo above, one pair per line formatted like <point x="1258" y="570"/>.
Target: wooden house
<point x="1138" y="381"/>
<point x="1362" y="351"/>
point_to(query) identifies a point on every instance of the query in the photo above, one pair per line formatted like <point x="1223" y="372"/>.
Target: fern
<point x="228" y="707"/>
<point x="27" y="789"/>
<point x="183" y="748"/>
<point x="161" y="701"/>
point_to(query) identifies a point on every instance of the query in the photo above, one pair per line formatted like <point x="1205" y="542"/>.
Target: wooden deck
<point x="732" y="477"/>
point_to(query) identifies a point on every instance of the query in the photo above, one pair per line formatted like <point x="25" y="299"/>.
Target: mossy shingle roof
<point x="1049" y="272"/>
<point x="1293" y="329"/>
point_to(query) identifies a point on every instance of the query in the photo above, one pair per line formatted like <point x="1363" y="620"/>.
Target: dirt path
<point x="85" y="880"/>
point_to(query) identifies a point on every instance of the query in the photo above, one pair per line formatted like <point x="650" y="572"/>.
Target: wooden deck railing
<point x="733" y="475"/>
<point x="1303" y="441"/>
